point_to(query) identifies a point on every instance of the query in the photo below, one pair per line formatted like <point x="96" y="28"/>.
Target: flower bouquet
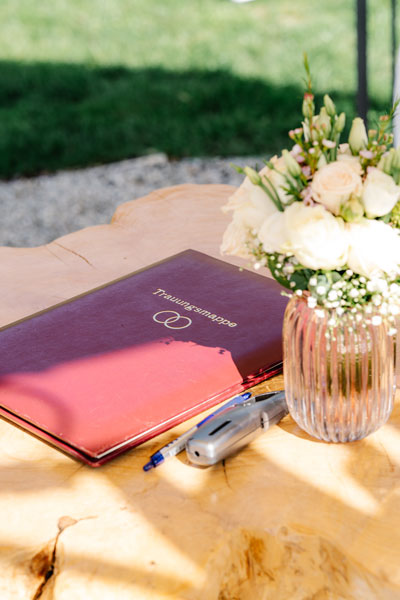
<point x="324" y="217"/>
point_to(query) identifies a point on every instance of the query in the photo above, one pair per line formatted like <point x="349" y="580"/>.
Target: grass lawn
<point x="86" y="82"/>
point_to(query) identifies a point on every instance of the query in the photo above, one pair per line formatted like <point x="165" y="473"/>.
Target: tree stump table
<point x="288" y="518"/>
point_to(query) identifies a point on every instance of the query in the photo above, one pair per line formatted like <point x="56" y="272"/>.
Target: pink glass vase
<point x="339" y="371"/>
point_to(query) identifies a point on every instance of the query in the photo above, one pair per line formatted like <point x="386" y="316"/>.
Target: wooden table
<point x="289" y="518"/>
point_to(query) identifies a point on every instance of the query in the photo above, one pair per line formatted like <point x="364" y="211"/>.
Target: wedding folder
<point x="111" y="368"/>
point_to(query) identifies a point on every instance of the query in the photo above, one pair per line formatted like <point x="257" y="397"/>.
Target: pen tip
<point x="148" y="466"/>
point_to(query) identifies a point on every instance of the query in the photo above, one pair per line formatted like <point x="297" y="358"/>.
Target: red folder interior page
<point x="123" y="361"/>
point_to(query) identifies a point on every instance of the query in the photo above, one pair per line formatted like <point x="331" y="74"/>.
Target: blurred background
<point x="86" y="82"/>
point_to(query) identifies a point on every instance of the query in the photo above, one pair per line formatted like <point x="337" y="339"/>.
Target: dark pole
<point x="362" y="93"/>
<point x="394" y="41"/>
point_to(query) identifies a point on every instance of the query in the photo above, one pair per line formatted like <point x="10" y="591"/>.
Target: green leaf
<point x="301" y="279"/>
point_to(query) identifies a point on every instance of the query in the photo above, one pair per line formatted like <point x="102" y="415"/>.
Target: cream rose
<point x="352" y="161"/>
<point x="334" y="183"/>
<point x="380" y="193"/>
<point x="316" y="238"/>
<point x="374" y="248"/>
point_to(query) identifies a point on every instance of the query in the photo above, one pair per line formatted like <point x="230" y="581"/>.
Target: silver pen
<point x="234" y="428"/>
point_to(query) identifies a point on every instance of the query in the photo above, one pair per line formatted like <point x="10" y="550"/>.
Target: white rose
<point x="374" y="248"/>
<point x="334" y="183"/>
<point x="250" y="206"/>
<point x="273" y="235"/>
<point x="316" y="238"/>
<point x="234" y="240"/>
<point x="380" y="193"/>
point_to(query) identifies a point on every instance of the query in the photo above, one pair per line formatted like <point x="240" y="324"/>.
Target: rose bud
<point x="329" y="105"/>
<point x="358" y="136"/>
<point x="252" y="175"/>
<point x="308" y="105"/>
<point x="340" y="123"/>
<point x="291" y="163"/>
<point x="324" y="122"/>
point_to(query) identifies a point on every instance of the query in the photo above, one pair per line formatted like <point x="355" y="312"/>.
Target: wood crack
<point x="43" y="564"/>
<point x="54" y="254"/>
<point x="390" y="463"/>
<point x="226" y="474"/>
<point x="47" y="564"/>
<point x="76" y="253"/>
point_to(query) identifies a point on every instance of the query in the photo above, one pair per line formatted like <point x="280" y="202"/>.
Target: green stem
<point x="272" y="193"/>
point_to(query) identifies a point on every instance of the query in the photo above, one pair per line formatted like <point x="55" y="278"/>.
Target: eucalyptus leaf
<point x="301" y="279"/>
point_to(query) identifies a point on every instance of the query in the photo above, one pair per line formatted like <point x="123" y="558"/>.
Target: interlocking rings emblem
<point x="175" y="321"/>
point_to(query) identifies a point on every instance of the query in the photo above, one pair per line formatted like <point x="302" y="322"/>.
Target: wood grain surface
<point x="288" y="518"/>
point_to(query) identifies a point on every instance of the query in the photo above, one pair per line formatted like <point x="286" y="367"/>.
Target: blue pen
<point x="177" y="445"/>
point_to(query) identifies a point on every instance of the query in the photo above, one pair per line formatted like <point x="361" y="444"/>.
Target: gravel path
<point x="38" y="210"/>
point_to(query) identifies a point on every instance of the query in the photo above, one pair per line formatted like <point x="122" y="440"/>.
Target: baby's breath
<point x="339" y="290"/>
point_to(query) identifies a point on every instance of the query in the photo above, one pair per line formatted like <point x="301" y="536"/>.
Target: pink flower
<point x="367" y="154"/>
<point x="328" y="143"/>
<point x="296" y="150"/>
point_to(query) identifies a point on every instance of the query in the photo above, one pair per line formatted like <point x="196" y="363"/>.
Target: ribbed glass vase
<point x="338" y="371"/>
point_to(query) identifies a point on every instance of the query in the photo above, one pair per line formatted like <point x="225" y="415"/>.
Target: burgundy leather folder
<point x="111" y="368"/>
